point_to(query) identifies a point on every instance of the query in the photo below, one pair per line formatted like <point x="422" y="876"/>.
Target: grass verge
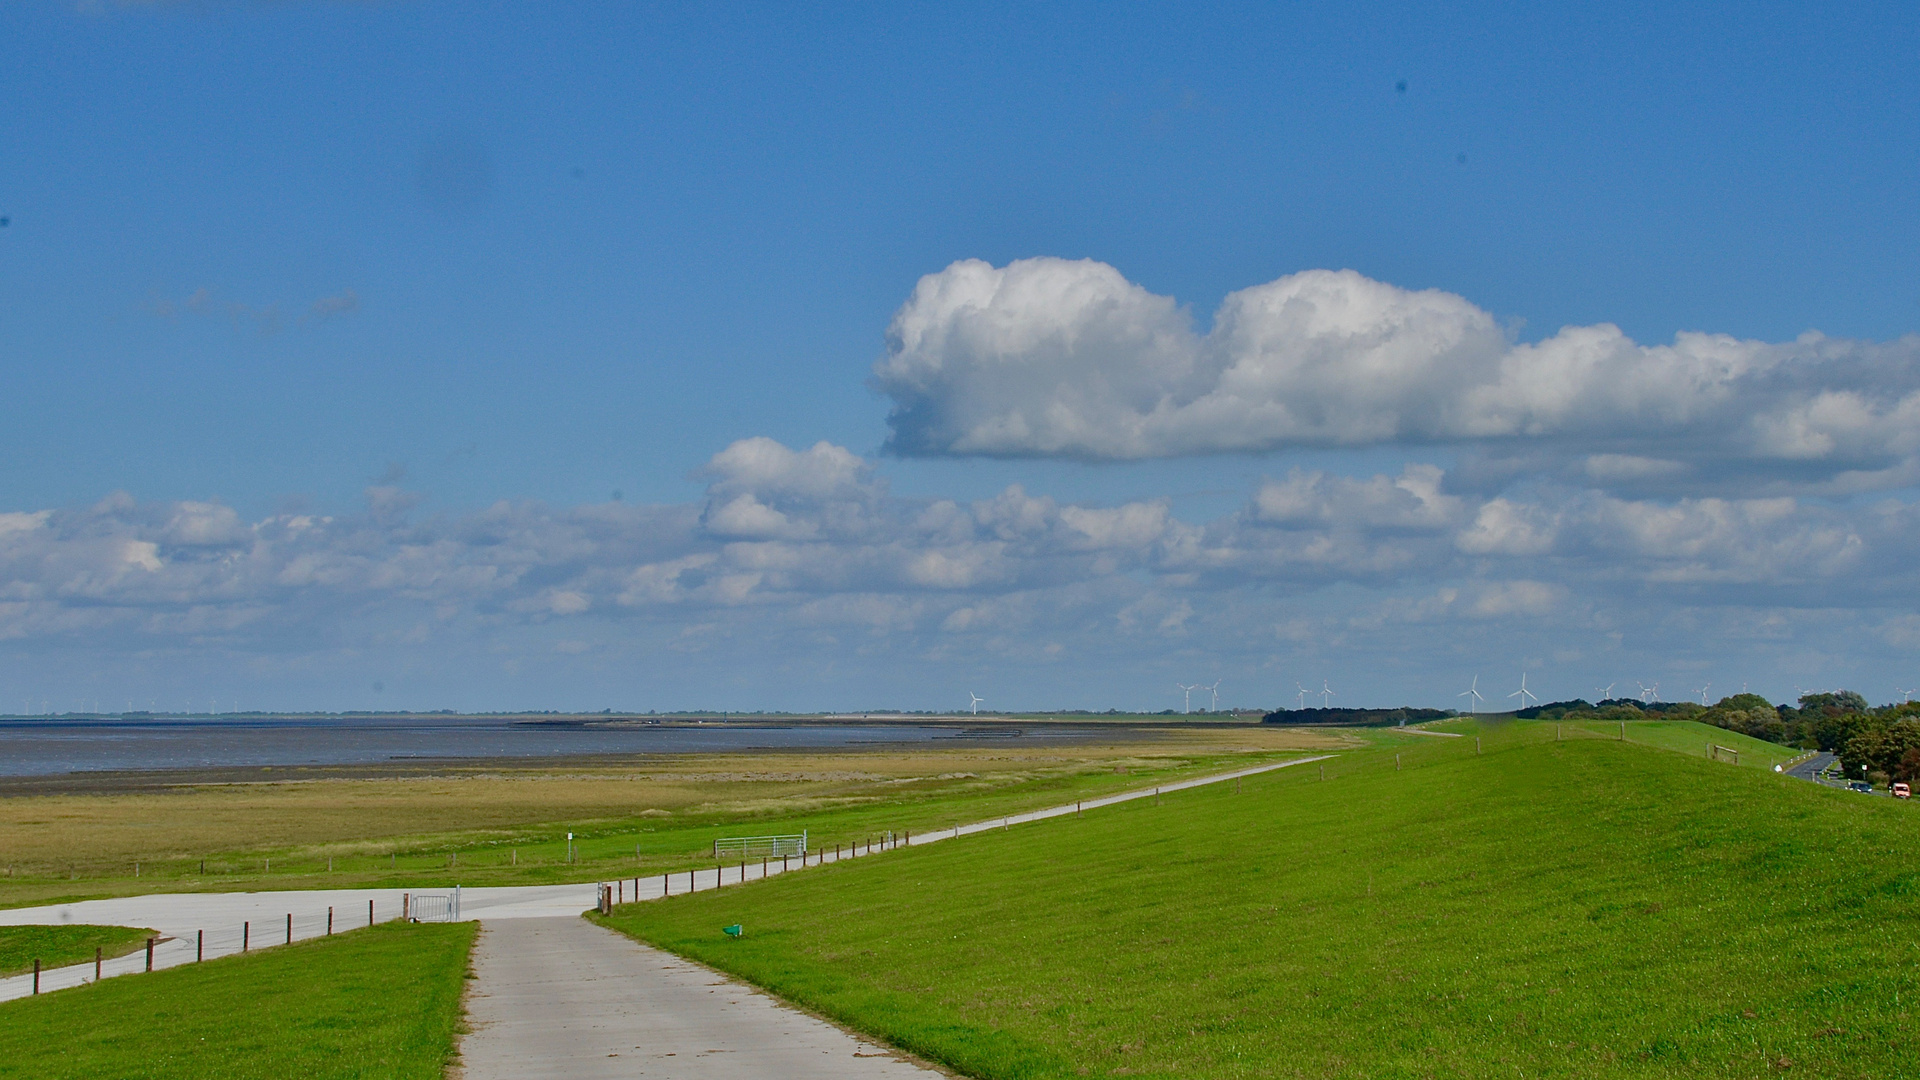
<point x="1544" y="908"/>
<point x="58" y="946"/>
<point x="375" y="1003"/>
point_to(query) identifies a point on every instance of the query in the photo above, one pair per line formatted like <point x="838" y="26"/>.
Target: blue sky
<point x="331" y="332"/>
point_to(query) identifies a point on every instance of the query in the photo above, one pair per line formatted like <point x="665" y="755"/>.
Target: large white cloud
<point x="1051" y="357"/>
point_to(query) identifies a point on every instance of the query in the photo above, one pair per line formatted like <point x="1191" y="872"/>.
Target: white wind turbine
<point x="1303" y="694"/>
<point x="974" y="705"/>
<point x="1523" y="693"/>
<point x="1703" y="694"/>
<point x="1472" y="694"/>
<point x="1215" y="691"/>
<point x="1605" y="692"/>
<point x="1326" y="695"/>
<point x="1907" y="695"/>
<point x="1188" y="707"/>
<point x="1648" y="694"/>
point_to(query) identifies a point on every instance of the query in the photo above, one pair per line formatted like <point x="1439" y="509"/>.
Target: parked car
<point x="1860" y="785"/>
<point x="1902" y="791"/>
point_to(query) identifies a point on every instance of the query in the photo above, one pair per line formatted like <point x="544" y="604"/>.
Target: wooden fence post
<point x="96" y="963"/>
<point x="199" y="945"/>
<point x="246" y="928"/>
<point x="36" y="975"/>
<point x="149" y="954"/>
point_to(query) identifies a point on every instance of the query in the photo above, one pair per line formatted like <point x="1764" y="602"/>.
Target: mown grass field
<point x="1566" y="908"/>
<point x="500" y="825"/>
<point x="377" y="1003"/>
<point x="57" y="946"/>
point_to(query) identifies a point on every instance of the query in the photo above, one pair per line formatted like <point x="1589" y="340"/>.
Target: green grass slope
<point x="1579" y="908"/>
<point x="57" y="946"/>
<point x="380" y="1002"/>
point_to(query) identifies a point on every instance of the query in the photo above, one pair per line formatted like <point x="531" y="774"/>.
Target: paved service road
<point x="566" y="998"/>
<point x="1810" y="768"/>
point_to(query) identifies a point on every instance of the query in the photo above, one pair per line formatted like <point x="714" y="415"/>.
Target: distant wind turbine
<point x="1605" y="692"/>
<point x="1472" y="694"/>
<point x="1523" y="693"/>
<point x="1188" y="707"/>
<point x="1303" y="694"/>
<point x="1648" y="694"/>
<point x="1326" y="695"/>
<point x="1215" y="691"/>
<point x="1703" y="694"/>
<point x="974" y="705"/>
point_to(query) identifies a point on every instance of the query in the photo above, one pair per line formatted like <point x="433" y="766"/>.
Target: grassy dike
<point x="383" y="1002"/>
<point x="1578" y="908"/>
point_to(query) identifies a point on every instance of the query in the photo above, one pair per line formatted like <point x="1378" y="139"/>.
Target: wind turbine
<point x="1703" y="694"/>
<point x="1188" y="707"/>
<point x="1215" y="691"/>
<point x="1326" y="695"/>
<point x="1648" y="694"/>
<point x="1472" y="694"/>
<point x="1303" y="693"/>
<point x="1523" y="693"/>
<point x="1605" y="692"/>
<point x="974" y="705"/>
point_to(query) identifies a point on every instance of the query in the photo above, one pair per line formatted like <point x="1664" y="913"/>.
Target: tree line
<point x="1882" y="741"/>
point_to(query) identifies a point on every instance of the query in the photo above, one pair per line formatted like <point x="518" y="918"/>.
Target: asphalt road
<point x="1810" y="768"/>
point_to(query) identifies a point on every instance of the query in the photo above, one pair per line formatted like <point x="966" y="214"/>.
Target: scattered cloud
<point x="330" y="307"/>
<point x="808" y="545"/>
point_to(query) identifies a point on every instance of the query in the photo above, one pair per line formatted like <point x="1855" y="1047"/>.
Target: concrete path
<point x="193" y="926"/>
<point x="565" y="998"/>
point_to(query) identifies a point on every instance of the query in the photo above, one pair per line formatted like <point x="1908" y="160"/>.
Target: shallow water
<point x="56" y="746"/>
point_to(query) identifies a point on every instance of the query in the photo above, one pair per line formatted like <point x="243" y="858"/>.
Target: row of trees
<point x="1882" y="742"/>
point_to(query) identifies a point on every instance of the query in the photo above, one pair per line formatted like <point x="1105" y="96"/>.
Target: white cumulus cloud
<point x="1053" y="357"/>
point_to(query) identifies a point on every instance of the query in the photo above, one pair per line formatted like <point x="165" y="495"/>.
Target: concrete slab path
<point x="562" y="997"/>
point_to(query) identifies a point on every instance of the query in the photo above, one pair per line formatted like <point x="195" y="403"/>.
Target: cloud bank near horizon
<point x="805" y="554"/>
<point x="1051" y="357"/>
